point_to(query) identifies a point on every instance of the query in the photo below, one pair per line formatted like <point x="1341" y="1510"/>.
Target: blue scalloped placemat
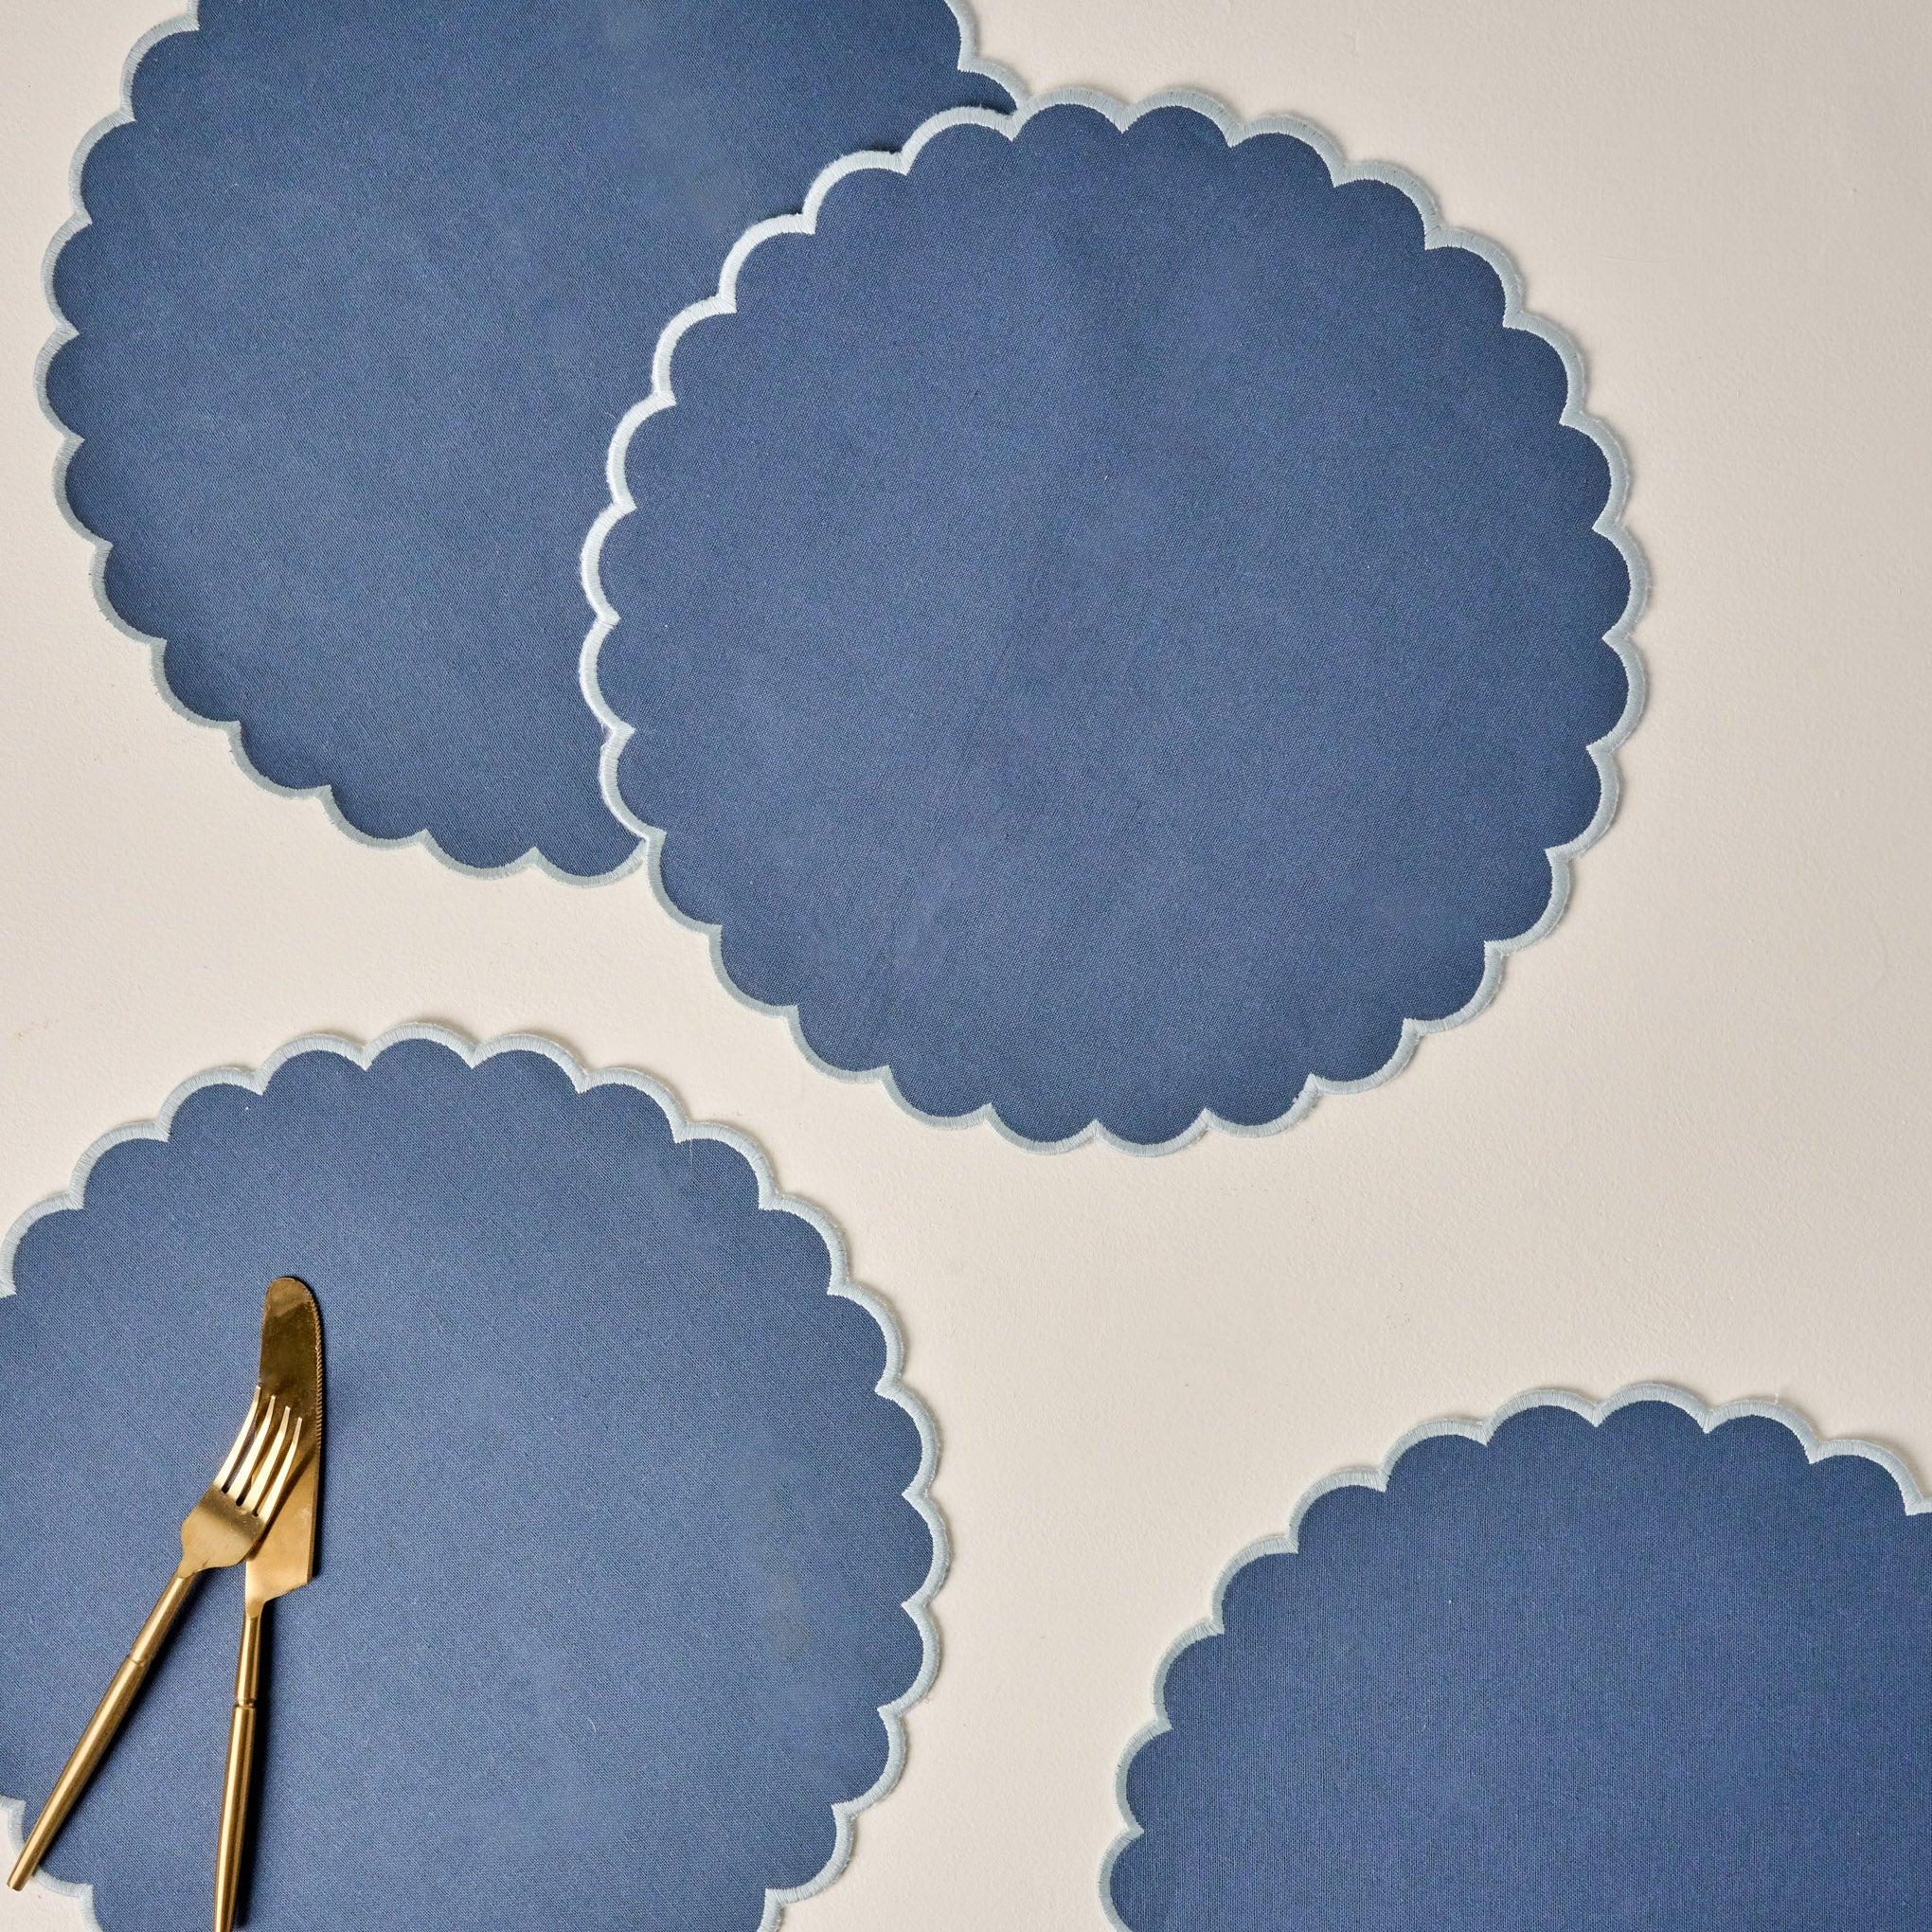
<point x="1113" y="629"/>
<point x="622" y="1587"/>
<point x="1621" y="1674"/>
<point x="366" y="288"/>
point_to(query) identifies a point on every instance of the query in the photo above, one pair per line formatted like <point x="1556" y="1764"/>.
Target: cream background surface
<point x="1691" y="1140"/>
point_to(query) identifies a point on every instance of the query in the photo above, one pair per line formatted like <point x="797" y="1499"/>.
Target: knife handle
<point x="241" y="1765"/>
<point x="109" y="1714"/>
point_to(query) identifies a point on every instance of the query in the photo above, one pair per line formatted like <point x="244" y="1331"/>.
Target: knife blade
<point x="284" y="1560"/>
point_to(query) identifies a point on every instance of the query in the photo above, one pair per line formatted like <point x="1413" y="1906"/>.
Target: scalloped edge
<point x="189" y="21"/>
<point x="1816" y="1449"/>
<point x="13" y="1842"/>
<point x="771" y="1198"/>
<point x="1436" y="234"/>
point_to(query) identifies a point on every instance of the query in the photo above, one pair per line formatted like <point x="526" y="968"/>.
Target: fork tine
<point x="243" y="1473"/>
<point x="271" y="1462"/>
<point x="283" y="1475"/>
<point x="227" y="1468"/>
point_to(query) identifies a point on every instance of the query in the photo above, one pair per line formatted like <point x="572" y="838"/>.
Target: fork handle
<point x="107" y="1719"/>
<point x="235" y="1778"/>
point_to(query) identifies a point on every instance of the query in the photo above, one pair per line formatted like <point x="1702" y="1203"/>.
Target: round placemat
<point x="624" y="1549"/>
<point x="1117" y="618"/>
<point x="362" y="288"/>
<point x="1636" y="1664"/>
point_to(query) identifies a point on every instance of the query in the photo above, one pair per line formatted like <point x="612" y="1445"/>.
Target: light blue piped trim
<point x="890" y="1385"/>
<point x="1816" y="1449"/>
<point x="13" y="1842"/>
<point x="64" y="332"/>
<point x="1609" y="524"/>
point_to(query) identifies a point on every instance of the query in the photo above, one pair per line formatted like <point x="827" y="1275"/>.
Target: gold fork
<point x="220" y="1532"/>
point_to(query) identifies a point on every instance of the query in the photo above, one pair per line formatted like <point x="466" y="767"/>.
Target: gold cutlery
<point x="273" y="1445"/>
<point x="283" y="1561"/>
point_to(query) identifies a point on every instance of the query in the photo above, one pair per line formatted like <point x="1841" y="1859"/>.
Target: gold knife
<point x="284" y="1560"/>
